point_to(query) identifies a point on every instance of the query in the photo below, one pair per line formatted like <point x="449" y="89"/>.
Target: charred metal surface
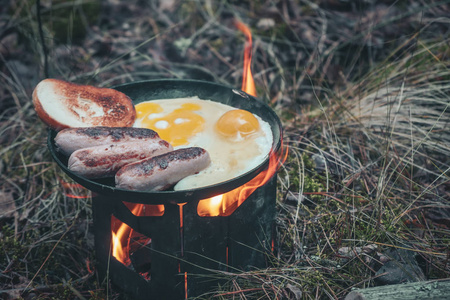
<point x="164" y="250"/>
<point x="201" y="247"/>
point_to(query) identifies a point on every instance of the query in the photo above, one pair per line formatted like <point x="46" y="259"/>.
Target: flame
<point x="211" y="207"/>
<point x="248" y="84"/>
<point x="145" y="210"/>
<point x="118" y="250"/>
<point x="220" y="205"/>
<point x="122" y="236"/>
<point x="74" y="190"/>
<point x="226" y="204"/>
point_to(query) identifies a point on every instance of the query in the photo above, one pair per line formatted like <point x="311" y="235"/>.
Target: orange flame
<point x="145" y="210"/>
<point x="220" y="205"/>
<point x="74" y="190"/>
<point x="248" y="84"/>
<point x="122" y="236"/>
<point x="118" y="250"/>
<point x="226" y="204"/>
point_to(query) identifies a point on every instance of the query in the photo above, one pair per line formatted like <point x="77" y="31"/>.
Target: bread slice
<point x="61" y="104"/>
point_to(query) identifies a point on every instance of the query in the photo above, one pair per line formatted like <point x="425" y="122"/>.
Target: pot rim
<point x="182" y="196"/>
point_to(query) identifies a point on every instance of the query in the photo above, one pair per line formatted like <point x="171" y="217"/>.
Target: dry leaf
<point x="295" y="290"/>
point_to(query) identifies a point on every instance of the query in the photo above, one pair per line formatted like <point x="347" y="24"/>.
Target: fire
<point x="74" y="190"/>
<point x="220" y="205"/>
<point x="122" y="236"/>
<point x="226" y="204"/>
<point x="145" y="210"/>
<point x="118" y="250"/>
<point x="248" y="84"/>
<point x="211" y="207"/>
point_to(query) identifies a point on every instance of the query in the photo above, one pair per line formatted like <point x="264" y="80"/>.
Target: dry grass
<point x="363" y="93"/>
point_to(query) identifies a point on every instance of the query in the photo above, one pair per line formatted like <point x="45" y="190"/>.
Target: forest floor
<point x="362" y="89"/>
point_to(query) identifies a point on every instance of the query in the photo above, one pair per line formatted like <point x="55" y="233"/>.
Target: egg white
<point x="229" y="157"/>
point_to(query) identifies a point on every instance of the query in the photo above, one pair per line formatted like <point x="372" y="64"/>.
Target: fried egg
<point x="236" y="140"/>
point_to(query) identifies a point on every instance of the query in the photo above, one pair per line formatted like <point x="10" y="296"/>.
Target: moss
<point x="69" y="19"/>
<point x="288" y="115"/>
<point x="279" y="30"/>
<point x="217" y="43"/>
<point x="13" y="249"/>
<point x="188" y="12"/>
<point x="62" y="292"/>
<point x="65" y="21"/>
<point x="313" y="181"/>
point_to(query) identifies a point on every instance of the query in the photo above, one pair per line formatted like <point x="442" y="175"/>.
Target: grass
<point x="363" y="93"/>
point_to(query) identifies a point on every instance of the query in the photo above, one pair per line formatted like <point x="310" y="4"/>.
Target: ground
<point x="361" y="87"/>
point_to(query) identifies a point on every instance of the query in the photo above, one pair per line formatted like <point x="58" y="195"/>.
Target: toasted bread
<point x="61" y="104"/>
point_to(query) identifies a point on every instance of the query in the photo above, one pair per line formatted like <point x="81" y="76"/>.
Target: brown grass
<point x="363" y="93"/>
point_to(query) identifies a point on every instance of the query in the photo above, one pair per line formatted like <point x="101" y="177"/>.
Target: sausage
<point x="71" y="139"/>
<point x="163" y="171"/>
<point x="105" y="160"/>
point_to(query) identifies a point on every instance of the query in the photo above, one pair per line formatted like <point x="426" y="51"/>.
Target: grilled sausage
<point x="105" y="160"/>
<point x="163" y="171"/>
<point x="71" y="139"/>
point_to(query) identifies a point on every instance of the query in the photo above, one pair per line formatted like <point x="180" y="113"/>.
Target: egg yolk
<point x="145" y="108"/>
<point x="175" y="127"/>
<point x="237" y="123"/>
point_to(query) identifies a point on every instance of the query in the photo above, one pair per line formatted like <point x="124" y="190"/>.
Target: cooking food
<point x="236" y="140"/>
<point x="105" y="160"/>
<point x="93" y="123"/>
<point x="163" y="171"/>
<point x="62" y="104"/>
<point x="71" y="139"/>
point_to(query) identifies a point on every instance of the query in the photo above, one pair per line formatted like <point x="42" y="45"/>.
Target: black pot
<point x="167" y="89"/>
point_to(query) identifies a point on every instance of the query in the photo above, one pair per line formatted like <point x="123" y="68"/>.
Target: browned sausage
<point x="105" y="160"/>
<point x="163" y="171"/>
<point x="71" y="139"/>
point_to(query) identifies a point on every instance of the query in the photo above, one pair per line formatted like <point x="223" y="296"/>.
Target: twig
<point x="48" y="256"/>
